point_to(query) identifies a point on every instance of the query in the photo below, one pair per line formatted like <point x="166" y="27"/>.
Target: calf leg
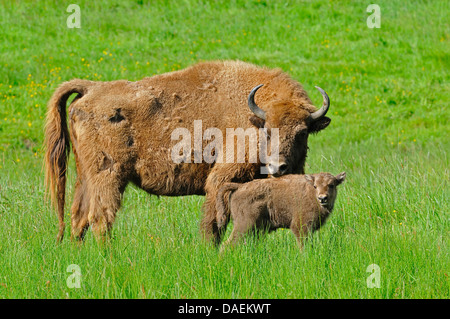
<point x="236" y="234"/>
<point x="240" y="229"/>
<point x="301" y="233"/>
<point x="232" y="240"/>
<point x="219" y="175"/>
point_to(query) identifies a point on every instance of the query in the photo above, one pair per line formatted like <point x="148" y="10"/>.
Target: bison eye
<point x="315" y="186"/>
<point x="331" y="186"/>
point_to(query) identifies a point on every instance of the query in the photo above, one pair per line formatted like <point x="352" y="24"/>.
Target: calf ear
<point x="309" y="179"/>
<point x="256" y="121"/>
<point x="319" y="124"/>
<point x="340" y="177"/>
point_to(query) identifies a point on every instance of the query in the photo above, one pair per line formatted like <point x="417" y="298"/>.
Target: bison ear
<point x="340" y="178"/>
<point x="256" y="121"/>
<point x="319" y="124"/>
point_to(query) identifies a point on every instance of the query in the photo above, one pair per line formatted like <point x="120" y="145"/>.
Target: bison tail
<point x="222" y="206"/>
<point x="57" y="145"/>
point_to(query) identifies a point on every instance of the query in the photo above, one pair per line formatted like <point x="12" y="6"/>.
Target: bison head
<point x="294" y="125"/>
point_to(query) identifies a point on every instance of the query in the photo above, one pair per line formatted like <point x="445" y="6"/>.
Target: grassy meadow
<point x="389" y="90"/>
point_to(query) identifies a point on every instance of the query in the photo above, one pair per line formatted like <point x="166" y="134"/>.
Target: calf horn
<point x="324" y="109"/>
<point x="252" y="105"/>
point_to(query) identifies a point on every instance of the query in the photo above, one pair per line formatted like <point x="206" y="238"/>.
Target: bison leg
<point x="105" y="193"/>
<point x="209" y="228"/>
<point x="80" y="211"/>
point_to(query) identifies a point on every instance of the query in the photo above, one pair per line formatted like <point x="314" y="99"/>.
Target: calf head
<point x="325" y="186"/>
<point x="294" y="124"/>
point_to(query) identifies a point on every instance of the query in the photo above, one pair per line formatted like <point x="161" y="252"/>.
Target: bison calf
<point x="299" y="202"/>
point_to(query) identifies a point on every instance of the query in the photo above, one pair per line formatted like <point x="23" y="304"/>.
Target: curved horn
<point x="324" y="109"/>
<point x="252" y="105"/>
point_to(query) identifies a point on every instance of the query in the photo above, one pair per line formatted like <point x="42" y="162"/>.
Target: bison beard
<point x="120" y="132"/>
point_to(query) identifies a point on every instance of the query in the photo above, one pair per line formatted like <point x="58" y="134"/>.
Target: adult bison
<point x="121" y="132"/>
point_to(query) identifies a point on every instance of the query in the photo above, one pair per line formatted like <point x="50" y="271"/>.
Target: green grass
<point x="389" y="89"/>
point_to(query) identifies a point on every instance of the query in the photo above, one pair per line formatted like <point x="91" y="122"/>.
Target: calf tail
<point x="57" y="145"/>
<point x="222" y="208"/>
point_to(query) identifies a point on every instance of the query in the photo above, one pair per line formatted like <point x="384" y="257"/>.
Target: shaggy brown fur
<point x="121" y="132"/>
<point x="299" y="202"/>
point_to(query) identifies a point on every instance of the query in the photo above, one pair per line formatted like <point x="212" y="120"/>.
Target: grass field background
<point x="389" y="90"/>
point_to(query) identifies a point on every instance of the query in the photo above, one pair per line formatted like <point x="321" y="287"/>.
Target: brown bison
<point x="121" y="132"/>
<point x="299" y="202"/>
